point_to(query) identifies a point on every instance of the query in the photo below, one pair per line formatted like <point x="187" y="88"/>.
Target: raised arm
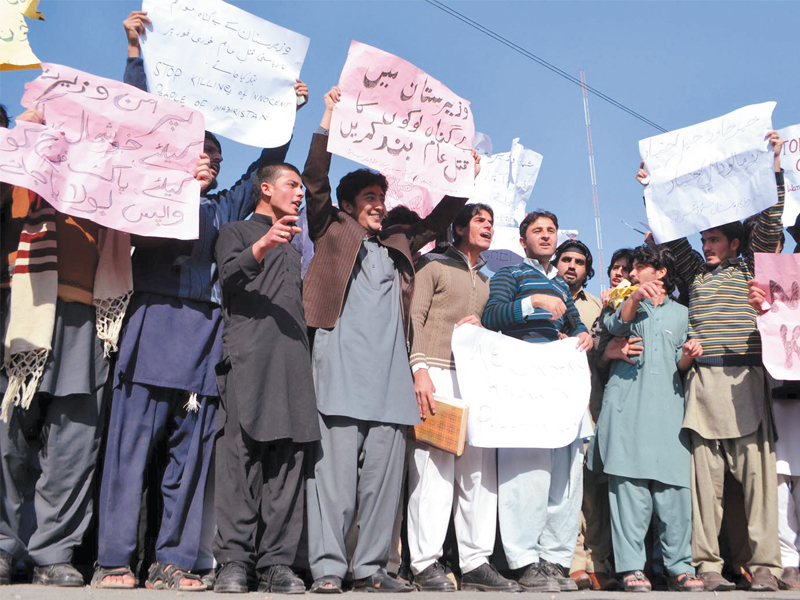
<point x="767" y="232"/>
<point x="319" y="205"/>
<point x="134" y="69"/>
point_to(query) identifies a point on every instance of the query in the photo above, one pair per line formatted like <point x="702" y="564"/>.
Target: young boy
<point x="644" y="451"/>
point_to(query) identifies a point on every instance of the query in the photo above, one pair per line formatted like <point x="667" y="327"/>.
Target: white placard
<point x="710" y="174"/>
<point x="520" y="395"/>
<point x="506" y="181"/>
<point x="237" y="69"/>
<point x="790" y="162"/>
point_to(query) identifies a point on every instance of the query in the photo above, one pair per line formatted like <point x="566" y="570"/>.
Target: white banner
<point x="520" y="395"/>
<point x="237" y="69"/>
<point x="790" y="162"/>
<point x="710" y="174"/>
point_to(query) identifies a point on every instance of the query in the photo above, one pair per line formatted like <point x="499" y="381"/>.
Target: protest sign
<point x="779" y="276"/>
<point x="790" y="163"/>
<point x="109" y="152"/>
<point x="709" y="174"/>
<point x="506" y="181"/>
<point x="520" y="395"/>
<point x="236" y="68"/>
<point x="398" y="120"/>
<point x="15" y="50"/>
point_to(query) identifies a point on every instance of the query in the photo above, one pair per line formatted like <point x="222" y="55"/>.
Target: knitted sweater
<point x="719" y="315"/>
<point x="446" y="290"/>
<point x="503" y="312"/>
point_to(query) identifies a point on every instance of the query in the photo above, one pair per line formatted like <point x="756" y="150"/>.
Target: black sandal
<point x="168" y="577"/>
<point x="636" y="581"/>
<point x="100" y="573"/>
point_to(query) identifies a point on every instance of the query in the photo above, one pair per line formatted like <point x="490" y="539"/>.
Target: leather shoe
<point x="5" y="568"/>
<point x="559" y="575"/>
<point x="536" y="579"/>
<point x="486" y="579"/>
<point x="715" y="582"/>
<point x="789" y="579"/>
<point x="61" y="575"/>
<point x="582" y="579"/>
<point x="231" y="578"/>
<point x="381" y="582"/>
<point x="763" y="581"/>
<point x="280" y="579"/>
<point x="433" y="579"/>
<point x="603" y="582"/>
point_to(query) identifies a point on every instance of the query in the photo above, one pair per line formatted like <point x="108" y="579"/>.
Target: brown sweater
<point x="445" y="291"/>
<point x="337" y="238"/>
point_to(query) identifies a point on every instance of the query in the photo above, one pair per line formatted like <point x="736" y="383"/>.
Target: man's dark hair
<point x="3" y="116"/>
<point x="465" y="215"/>
<point x="531" y="217"/>
<point x="269" y="173"/>
<point x="732" y="231"/>
<point x="579" y="247"/>
<point x="210" y="137"/>
<point x="621" y="254"/>
<point x="658" y="257"/>
<point x="401" y="215"/>
<point x="352" y="184"/>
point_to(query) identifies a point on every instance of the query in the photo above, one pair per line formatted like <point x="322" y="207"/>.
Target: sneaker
<point x="5" y="568"/>
<point x="433" y="579"/>
<point x="231" y="578"/>
<point x="486" y="579"/>
<point x="536" y="579"/>
<point x="560" y="575"/>
<point x="61" y="575"/>
<point x="280" y="579"/>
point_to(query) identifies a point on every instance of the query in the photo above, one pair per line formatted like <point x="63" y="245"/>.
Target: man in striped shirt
<point x="727" y="410"/>
<point x="539" y="489"/>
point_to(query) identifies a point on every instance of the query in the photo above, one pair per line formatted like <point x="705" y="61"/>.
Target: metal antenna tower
<point x="595" y="199"/>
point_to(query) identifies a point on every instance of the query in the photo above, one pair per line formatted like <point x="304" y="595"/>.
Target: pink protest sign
<point x="108" y="152"/>
<point x="398" y="120"/>
<point x="778" y="275"/>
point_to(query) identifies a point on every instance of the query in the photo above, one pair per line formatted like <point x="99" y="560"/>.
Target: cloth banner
<point x="779" y="276"/>
<point x="237" y="69"/>
<point x="108" y="152"/>
<point x="398" y="120"/>
<point x="520" y="395"/>
<point x="15" y="50"/>
<point x="709" y="174"/>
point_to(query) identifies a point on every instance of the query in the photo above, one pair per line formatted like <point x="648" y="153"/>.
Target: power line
<point x="496" y="36"/>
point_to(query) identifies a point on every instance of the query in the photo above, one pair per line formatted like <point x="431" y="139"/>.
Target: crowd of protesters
<point x="228" y="421"/>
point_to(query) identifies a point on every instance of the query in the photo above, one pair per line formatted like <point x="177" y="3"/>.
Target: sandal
<point x="686" y="582"/>
<point x="636" y="581"/>
<point x="168" y="577"/>
<point x="329" y="584"/>
<point x="100" y="573"/>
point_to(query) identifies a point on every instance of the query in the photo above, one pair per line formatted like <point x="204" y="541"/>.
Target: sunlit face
<point x="619" y="270"/>
<point x="641" y="274"/>
<point x="717" y="247"/>
<point x="478" y="233"/>
<point x="540" y="239"/>
<point x="284" y="195"/>
<point x="215" y="155"/>
<point x="368" y="208"/>
<point x="572" y="268"/>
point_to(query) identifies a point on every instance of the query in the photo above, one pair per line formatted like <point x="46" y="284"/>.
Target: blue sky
<point x="677" y="63"/>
